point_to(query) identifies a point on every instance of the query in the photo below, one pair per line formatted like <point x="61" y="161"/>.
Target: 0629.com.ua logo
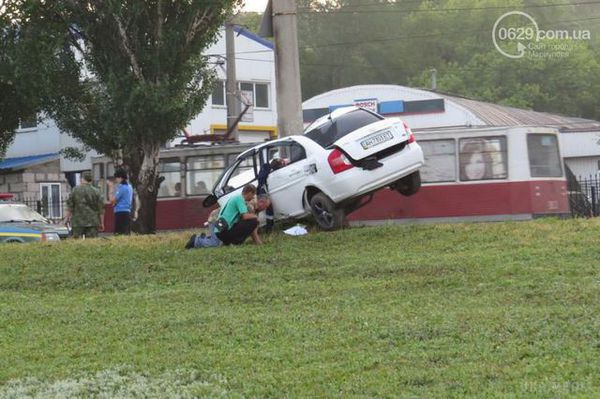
<point x="516" y="34"/>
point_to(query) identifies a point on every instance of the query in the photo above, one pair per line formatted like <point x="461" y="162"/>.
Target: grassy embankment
<point x="484" y="310"/>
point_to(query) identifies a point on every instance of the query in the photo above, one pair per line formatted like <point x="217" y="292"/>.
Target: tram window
<point x="440" y="160"/>
<point x="171" y="185"/>
<point x="483" y="158"/>
<point x="110" y="170"/>
<point x="98" y="171"/>
<point x="544" y="159"/>
<point x="202" y="173"/>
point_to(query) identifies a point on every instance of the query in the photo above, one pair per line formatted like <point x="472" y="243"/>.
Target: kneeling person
<point x="241" y="223"/>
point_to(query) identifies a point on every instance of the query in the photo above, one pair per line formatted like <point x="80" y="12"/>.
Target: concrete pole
<point x="287" y="68"/>
<point x="233" y="107"/>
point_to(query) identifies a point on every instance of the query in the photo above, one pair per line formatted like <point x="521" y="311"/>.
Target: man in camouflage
<point x="85" y="209"/>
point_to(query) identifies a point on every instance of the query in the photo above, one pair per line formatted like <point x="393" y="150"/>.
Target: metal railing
<point x="54" y="211"/>
<point x="584" y="195"/>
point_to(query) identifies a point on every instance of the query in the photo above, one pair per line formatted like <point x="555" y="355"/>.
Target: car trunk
<point x="373" y="139"/>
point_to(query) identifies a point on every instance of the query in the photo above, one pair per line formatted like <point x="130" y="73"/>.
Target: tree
<point x="125" y="76"/>
<point x="17" y="94"/>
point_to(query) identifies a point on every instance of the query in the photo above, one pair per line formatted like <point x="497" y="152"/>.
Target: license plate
<point x="375" y="139"/>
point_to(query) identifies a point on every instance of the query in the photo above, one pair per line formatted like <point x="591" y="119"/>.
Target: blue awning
<point x="24" y="162"/>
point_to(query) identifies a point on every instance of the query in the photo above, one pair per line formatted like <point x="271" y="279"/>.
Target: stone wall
<point x="25" y="184"/>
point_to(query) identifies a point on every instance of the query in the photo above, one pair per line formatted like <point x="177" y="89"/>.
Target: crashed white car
<point x="332" y="169"/>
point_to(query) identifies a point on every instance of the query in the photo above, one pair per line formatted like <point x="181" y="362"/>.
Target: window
<point x="544" y="159"/>
<point x="440" y="160"/>
<point x="283" y="154"/>
<point x="483" y="158"/>
<point x="260" y="93"/>
<point x="98" y="170"/>
<point x="110" y="170"/>
<point x="171" y="185"/>
<point x="218" y="93"/>
<point x="326" y="132"/>
<point x="202" y="173"/>
<point x="28" y="122"/>
<point x="51" y="200"/>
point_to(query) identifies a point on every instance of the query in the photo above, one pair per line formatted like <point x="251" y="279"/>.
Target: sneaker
<point x="191" y="242"/>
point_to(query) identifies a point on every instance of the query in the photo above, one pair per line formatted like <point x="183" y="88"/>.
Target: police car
<point x="19" y="223"/>
<point x="332" y="169"/>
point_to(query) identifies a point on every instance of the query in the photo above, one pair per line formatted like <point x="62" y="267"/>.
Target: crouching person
<point x="236" y="222"/>
<point x="233" y="224"/>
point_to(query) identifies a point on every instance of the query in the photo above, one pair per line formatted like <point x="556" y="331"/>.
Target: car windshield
<point x="19" y="213"/>
<point x="328" y="132"/>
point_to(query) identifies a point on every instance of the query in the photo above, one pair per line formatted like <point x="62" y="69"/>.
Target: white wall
<point x="583" y="167"/>
<point x="43" y="139"/>
<point x="580" y="144"/>
<point x="255" y="62"/>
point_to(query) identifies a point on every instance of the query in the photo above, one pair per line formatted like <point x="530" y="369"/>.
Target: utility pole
<point x="233" y="107"/>
<point x="279" y="21"/>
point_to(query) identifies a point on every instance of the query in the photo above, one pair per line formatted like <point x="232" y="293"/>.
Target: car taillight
<point x="338" y="161"/>
<point x="411" y="136"/>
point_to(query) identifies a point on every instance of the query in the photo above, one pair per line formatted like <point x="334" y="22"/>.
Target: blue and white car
<point x="332" y="169"/>
<point x="20" y="224"/>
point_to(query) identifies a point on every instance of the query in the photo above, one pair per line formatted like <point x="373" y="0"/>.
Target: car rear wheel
<point x="326" y="213"/>
<point x="408" y="185"/>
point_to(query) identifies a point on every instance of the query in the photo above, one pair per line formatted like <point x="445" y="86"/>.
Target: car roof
<point x="333" y="115"/>
<point x="295" y="137"/>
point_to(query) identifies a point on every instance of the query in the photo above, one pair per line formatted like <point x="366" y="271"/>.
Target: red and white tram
<point x="499" y="173"/>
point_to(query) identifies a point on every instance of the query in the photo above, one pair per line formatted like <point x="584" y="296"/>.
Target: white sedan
<point x="332" y="169"/>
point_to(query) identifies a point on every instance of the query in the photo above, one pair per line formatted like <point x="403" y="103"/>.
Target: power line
<point x="429" y="35"/>
<point x="432" y="10"/>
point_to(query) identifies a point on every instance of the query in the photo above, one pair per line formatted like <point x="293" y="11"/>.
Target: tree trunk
<point x="143" y="167"/>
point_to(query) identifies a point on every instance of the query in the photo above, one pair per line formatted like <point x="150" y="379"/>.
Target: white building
<point x="38" y="146"/>
<point x="255" y="70"/>
<point x="423" y="109"/>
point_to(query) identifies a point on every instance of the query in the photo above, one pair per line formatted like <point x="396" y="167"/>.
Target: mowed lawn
<point x="463" y="310"/>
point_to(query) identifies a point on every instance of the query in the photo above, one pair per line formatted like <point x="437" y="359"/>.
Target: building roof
<point x="457" y="111"/>
<point x="502" y="115"/>
<point x="252" y="36"/>
<point x="18" y="163"/>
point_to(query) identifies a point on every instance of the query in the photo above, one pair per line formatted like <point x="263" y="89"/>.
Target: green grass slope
<point x="465" y="310"/>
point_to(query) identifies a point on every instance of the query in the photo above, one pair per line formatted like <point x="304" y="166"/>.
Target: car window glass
<point x="284" y="154"/>
<point x="328" y="133"/>
<point x="18" y="212"/>
<point x="242" y="174"/>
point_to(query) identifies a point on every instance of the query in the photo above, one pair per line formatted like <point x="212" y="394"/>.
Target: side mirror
<point x="209" y="201"/>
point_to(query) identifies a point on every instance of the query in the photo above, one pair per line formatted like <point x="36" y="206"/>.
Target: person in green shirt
<point x="239" y="224"/>
<point x="85" y="209"/>
<point x="240" y="221"/>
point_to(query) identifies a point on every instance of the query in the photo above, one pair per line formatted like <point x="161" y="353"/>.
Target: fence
<point x="53" y="210"/>
<point x="584" y="196"/>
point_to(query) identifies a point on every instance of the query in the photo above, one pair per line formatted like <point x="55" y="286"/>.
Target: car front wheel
<point x="326" y="213"/>
<point x="408" y="185"/>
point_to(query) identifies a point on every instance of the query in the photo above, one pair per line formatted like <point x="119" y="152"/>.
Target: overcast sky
<point x="255" y="5"/>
